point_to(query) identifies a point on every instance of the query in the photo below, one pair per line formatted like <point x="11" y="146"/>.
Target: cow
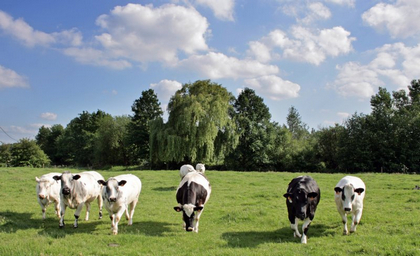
<point x="349" y="195"/>
<point x="120" y="194"/>
<point x="302" y="198"/>
<point x="200" y="168"/>
<point x="48" y="191"/>
<point x="185" y="169"/>
<point x="78" y="190"/>
<point x="192" y="194"/>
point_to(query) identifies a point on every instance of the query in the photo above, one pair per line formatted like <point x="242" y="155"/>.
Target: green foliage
<point x="47" y="139"/>
<point x="246" y="215"/>
<point x="27" y="153"/>
<point x="199" y="127"/>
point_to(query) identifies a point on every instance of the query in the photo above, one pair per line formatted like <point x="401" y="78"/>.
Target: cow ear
<point x="288" y="196"/>
<point x="199" y="208"/>
<point x="359" y="190"/>
<point x="177" y="208"/>
<point x="338" y="190"/>
<point x="76" y="177"/>
<point x="102" y="182"/>
<point x="37" y="179"/>
<point x="122" y="183"/>
<point x="57" y="177"/>
<point x="312" y="195"/>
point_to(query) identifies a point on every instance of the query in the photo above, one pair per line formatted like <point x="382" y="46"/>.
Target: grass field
<point x="246" y="215"/>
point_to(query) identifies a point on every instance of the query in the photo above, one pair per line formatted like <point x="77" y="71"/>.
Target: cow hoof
<point x="75" y="226"/>
<point x="345" y="233"/>
<point x="352" y="231"/>
<point x="61" y="226"/>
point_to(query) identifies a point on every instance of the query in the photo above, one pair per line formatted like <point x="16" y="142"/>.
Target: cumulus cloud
<point x="223" y="9"/>
<point x="165" y="89"/>
<point x="92" y="56"/>
<point x="274" y="87"/>
<point x="217" y="65"/>
<point x="303" y="44"/>
<point x="398" y="18"/>
<point x="30" y="37"/>
<point x="394" y="64"/>
<point x="9" y="79"/>
<point x="145" y="33"/>
<point x="349" y="3"/>
<point x="49" y="116"/>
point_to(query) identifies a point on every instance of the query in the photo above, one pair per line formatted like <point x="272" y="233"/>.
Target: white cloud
<point x="49" y="116"/>
<point x="343" y="115"/>
<point x="342" y="2"/>
<point x="223" y="9"/>
<point x="399" y="18"/>
<point x="165" y="89"/>
<point x="303" y="45"/>
<point x="274" y="87"/>
<point x="144" y="33"/>
<point x="394" y="65"/>
<point x="30" y="37"/>
<point x="217" y="65"/>
<point x="95" y="57"/>
<point x="316" y="11"/>
<point x="9" y="79"/>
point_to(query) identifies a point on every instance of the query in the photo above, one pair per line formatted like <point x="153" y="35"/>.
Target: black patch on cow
<point x="194" y="194"/>
<point x="305" y="195"/>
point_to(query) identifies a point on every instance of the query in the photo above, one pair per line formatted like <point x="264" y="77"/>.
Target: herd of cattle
<point x="120" y="195"/>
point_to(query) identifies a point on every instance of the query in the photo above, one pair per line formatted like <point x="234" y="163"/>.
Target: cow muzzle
<point x="41" y="196"/>
<point x="112" y="199"/>
<point x="65" y="191"/>
<point x="189" y="229"/>
<point x="347" y="210"/>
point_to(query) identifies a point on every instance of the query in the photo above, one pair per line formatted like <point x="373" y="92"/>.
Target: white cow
<point x="76" y="191"/>
<point x="48" y="191"/>
<point x="200" y="168"/>
<point x="185" y="169"/>
<point x="120" y="194"/>
<point x="349" y="195"/>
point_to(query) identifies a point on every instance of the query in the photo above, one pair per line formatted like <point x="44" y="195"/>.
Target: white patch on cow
<point x="185" y="169"/>
<point x="189" y="209"/>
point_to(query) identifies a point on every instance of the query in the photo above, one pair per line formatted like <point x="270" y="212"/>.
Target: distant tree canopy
<point x="207" y="124"/>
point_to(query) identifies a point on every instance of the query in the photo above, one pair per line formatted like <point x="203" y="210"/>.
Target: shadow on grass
<point x="251" y="239"/>
<point x="10" y="222"/>
<point x="148" y="228"/>
<point x="164" y="189"/>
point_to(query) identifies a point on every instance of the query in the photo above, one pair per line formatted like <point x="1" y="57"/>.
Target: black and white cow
<point x="78" y="190"/>
<point x="349" y="195"/>
<point x="302" y="198"/>
<point x="120" y="195"/>
<point x="192" y="194"/>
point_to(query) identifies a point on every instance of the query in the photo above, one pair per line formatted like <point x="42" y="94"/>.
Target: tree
<point x="252" y="119"/>
<point x="47" y="140"/>
<point x="295" y="124"/>
<point x="145" y="109"/>
<point x="27" y="153"/>
<point x="199" y="126"/>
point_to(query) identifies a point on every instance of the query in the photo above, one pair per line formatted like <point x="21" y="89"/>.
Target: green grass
<point x="246" y="215"/>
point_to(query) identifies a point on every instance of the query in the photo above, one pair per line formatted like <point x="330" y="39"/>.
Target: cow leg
<point x="344" y="219"/>
<point x="196" y="220"/>
<point x="43" y="209"/>
<point x="355" y="220"/>
<point x="63" y="211"/>
<point x="117" y="219"/>
<point x="100" y="205"/>
<point x="305" y="228"/>
<point x="132" y="207"/>
<point x="77" y="215"/>
<point x="87" y="210"/>
<point x="294" y="227"/>
<point x="57" y="209"/>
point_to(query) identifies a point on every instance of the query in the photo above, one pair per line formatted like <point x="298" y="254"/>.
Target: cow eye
<point x="343" y="196"/>
<point x="352" y="197"/>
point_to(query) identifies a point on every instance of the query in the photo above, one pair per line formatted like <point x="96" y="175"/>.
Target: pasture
<point x="246" y="215"/>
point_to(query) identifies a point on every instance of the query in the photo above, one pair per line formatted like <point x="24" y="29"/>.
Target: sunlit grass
<point x="246" y="215"/>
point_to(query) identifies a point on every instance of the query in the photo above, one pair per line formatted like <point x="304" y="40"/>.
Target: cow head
<point x="348" y="194"/>
<point x="67" y="182"/>
<point x="188" y="214"/>
<point x="300" y="199"/>
<point x="112" y="191"/>
<point x="44" y="186"/>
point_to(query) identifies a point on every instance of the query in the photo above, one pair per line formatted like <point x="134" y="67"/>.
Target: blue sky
<point x="326" y="58"/>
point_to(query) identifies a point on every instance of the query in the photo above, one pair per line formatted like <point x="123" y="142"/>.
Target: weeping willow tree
<point x="199" y="127"/>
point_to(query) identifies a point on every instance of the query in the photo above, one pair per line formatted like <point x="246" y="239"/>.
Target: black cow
<point x="193" y="192"/>
<point x="302" y="198"/>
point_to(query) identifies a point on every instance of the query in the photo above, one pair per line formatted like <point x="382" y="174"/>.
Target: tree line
<point x="207" y="124"/>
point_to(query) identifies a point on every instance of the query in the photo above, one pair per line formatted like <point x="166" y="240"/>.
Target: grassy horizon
<point x="246" y="215"/>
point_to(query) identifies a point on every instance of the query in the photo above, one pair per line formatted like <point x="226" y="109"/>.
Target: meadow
<point x="246" y="215"/>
